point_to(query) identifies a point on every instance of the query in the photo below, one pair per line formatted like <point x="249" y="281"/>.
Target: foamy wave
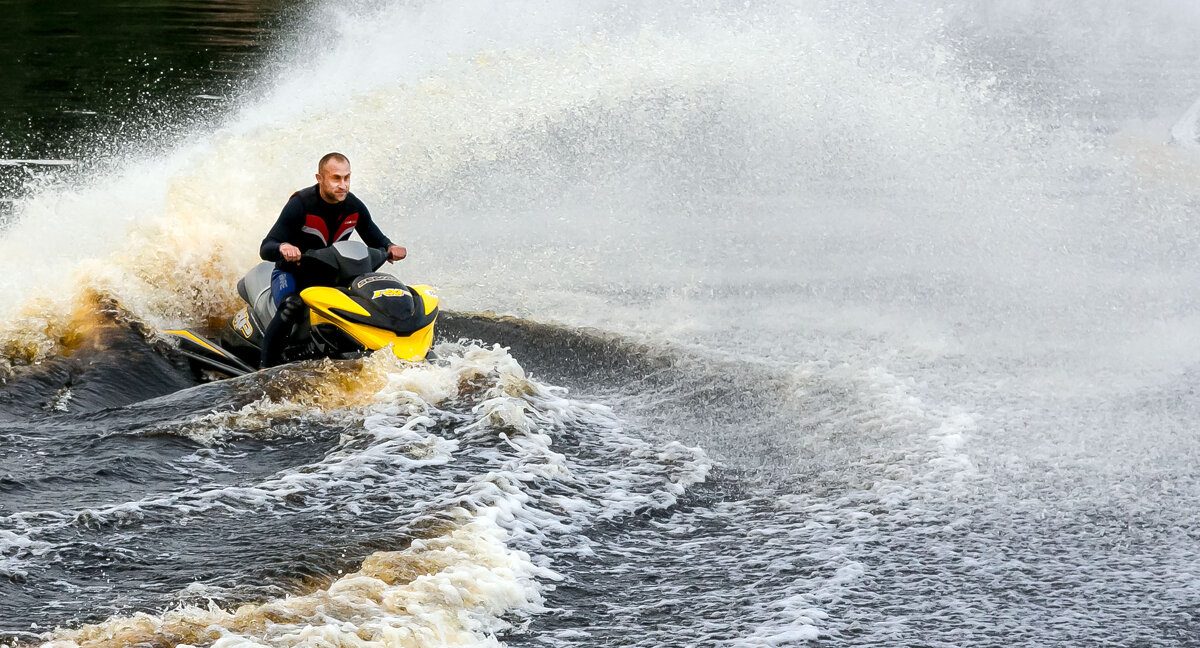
<point x="16" y="548"/>
<point x="349" y="391"/>
<point x="459" y="588"/>
<point x="471" y="431"/>
<point x="469" y="446"/>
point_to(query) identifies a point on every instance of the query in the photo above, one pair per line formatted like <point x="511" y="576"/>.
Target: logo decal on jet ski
<point x="381" y="277"/>
<point x="389" y="292"/>
<point x="241" y="322"/>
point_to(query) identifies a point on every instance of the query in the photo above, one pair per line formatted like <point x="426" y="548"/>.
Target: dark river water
<point x="765" y="324"/>
<point x="81" y="76"/>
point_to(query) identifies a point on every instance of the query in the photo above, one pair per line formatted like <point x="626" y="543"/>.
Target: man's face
<point x="334" y="181"/>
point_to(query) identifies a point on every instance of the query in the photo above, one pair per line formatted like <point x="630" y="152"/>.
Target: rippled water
<point x="803" y="324"/>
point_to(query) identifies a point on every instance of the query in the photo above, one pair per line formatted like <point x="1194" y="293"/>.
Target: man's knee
<point x="292" y="309"/>
<point x="282" y="284"/>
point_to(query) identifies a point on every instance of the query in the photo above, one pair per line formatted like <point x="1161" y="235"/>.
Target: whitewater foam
<point x="477" y="473"/>
<point x="459" y="588"/>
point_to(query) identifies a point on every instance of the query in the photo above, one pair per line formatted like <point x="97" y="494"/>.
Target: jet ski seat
<point x="255" y="289"/>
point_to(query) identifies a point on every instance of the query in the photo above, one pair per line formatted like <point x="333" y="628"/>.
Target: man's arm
<point x="291" y="219"/>
<point x="369" y="231"/>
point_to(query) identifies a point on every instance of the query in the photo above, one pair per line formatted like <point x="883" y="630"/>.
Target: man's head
<point x="333" y="177"/>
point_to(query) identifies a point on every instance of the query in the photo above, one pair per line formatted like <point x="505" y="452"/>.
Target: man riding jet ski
<point x="314" y="218"/>
<point x="312" y="259"/>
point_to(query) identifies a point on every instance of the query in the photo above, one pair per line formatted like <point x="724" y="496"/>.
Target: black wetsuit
<point x="309" y="223"/>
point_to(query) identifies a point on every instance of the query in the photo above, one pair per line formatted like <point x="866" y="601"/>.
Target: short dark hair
<point x="331" y="156"/>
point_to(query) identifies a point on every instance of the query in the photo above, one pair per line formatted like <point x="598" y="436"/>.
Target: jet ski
<point x="354" y="311"/>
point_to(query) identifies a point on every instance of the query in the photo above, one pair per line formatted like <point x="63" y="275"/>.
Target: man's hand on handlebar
<point x="396" y="252"/>
<point x="289" y="252"/>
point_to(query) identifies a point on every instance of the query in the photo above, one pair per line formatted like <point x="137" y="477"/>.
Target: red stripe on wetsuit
<point x="316" y="225"/>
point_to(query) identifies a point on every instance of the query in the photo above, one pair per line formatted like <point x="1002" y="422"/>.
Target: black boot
<point x="275" y="337"/>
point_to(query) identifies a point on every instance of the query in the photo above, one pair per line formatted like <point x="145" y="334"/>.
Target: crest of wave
<point x="449" y="590"/>
<point x="459" y="585"/>
<point x="165" y="238"/>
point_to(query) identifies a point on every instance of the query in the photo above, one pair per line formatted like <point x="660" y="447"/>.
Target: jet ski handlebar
<point x="346" y="260"/>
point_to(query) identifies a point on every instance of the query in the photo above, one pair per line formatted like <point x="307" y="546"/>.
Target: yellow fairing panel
<point x="324" y="298"/>
<point x="412" y="347"/>
<point x="428" y="296"/>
